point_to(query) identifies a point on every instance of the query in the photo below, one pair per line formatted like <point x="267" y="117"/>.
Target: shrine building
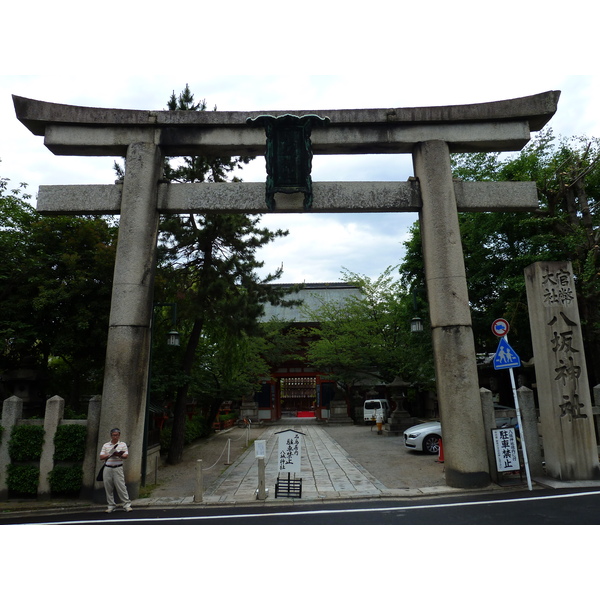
<point x="296" y="388"/>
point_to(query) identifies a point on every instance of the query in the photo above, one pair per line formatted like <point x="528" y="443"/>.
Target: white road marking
<point x="329" y="511"/>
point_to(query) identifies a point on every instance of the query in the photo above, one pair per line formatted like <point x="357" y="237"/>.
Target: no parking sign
<point x="504" y="439"/>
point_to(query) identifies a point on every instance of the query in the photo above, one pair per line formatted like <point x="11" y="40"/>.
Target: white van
<point x="377" y="405"/>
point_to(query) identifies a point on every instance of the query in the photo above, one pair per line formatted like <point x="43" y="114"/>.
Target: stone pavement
<point x="328" y="470"/>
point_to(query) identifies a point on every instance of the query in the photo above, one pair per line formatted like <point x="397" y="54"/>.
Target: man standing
<point x="114" y="453"/>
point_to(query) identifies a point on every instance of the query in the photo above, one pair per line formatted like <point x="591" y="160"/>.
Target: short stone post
<point x="55" y="407"/>
<point x="489" y="423"/>
<point x="199" y="482"/>
<point x="262" y="492"/>
<point x="12" y="411"/>
<point x="596" y="413"/>
<point x="530" y="431"/>
<point x="91" y="462"/>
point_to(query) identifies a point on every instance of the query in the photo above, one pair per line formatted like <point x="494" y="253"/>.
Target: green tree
<point x="192" y="169"/>
<point x="368" y="334"/>
<point x="498" y="246"/>
<point x="16" y="220"/>
<point x="208" y="263"/>
<point x="55" y="282"/>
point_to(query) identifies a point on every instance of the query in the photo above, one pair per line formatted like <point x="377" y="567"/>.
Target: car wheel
<point x="431" y="444"/>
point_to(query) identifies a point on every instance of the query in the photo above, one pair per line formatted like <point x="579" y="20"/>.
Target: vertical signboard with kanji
<point x="290" y="459"/>
<point x="505" y="448"/>
<point x="564" y="396"/>
<point x="290" y="451"/>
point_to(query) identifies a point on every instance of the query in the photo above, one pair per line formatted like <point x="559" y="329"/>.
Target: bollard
<point x="228" y="452"/>
<point x="261" y="493"/>
<point x="199" y="482"/>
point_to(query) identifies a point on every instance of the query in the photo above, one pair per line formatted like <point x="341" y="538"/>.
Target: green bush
<point x="26" y="443"/>
<point x="165" y="437"/>
<point x="226" y="417"/>
<point x="66" y="480"/>
<point x="195" y="428"/>
<point x="69" y="443"/>
<point x="23" y="479"/>
<point x="69" y="413"/>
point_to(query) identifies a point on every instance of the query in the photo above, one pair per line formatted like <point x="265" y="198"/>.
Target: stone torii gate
<point x="430" y="134"/>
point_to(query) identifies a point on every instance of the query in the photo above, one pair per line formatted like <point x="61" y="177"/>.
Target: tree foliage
<point x="208" y="263"/>
<point x="368" y="335"/>
<point x="196" y="169"/>
<point x="55" y="285"/>
<point x="498" y="246"/>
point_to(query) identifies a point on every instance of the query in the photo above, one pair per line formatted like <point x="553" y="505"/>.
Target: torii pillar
<point x="125" y="386"/>
<point x="430" y="134"/>
<point x="450" y="315"/>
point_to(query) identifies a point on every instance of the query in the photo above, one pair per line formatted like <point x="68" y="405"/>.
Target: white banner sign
<point x="290" y="451"/>
<point x="260" y="448"/>
<point x="505" y="448"/>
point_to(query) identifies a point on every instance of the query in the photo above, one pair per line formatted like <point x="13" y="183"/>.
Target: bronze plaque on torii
<point x="288" y="155"/>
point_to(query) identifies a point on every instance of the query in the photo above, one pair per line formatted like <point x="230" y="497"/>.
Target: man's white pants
<point x="114" y="479"/>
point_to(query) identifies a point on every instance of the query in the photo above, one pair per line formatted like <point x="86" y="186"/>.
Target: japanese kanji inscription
<point x="563" y="393"/>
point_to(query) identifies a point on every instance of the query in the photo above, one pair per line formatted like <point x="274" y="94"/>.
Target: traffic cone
<point x="441" y="452"/>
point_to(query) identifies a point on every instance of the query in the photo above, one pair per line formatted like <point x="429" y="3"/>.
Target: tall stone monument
<point x="564" y="396"/>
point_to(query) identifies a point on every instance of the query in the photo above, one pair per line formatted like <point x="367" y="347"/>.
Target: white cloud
<point x="319" y="247"/>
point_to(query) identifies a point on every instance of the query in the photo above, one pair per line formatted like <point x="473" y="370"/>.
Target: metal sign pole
<point x="518" y="410"/>
<point x="506" y="358"/>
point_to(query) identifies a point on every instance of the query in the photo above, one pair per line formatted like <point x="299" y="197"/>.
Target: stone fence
<point x="529" y="419"/>
<point x="596" y="413"/>
<point x="12" y="413"/>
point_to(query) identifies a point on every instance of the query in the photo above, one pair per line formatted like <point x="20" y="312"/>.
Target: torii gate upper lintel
<point x="430" y="134"/>
<point x="486" y="127"/>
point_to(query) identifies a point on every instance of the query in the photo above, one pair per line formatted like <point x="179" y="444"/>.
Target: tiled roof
<point x="312" y="295"/>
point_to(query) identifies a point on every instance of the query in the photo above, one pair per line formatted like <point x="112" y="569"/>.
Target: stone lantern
<point x="400" y="419"/>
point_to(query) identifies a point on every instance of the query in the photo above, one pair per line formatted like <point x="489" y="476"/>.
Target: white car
<point x="426" y="436"/>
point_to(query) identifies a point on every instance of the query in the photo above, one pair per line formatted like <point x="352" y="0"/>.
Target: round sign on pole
<point x="500" y="327"/>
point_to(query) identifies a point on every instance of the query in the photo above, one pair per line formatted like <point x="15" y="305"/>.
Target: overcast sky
<point x="318" y="246"/>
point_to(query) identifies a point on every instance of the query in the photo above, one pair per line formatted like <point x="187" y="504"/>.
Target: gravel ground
<point x="215" y="452"/>
<point x="385" y="457"/>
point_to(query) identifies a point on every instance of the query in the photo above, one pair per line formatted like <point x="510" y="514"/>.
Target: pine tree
<point x="209" y="262"/>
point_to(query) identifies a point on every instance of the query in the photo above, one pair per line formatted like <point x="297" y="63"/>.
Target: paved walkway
<point x="328" y="471"/>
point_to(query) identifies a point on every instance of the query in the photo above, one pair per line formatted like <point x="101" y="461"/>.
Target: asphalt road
<point x="547" y="507"/>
